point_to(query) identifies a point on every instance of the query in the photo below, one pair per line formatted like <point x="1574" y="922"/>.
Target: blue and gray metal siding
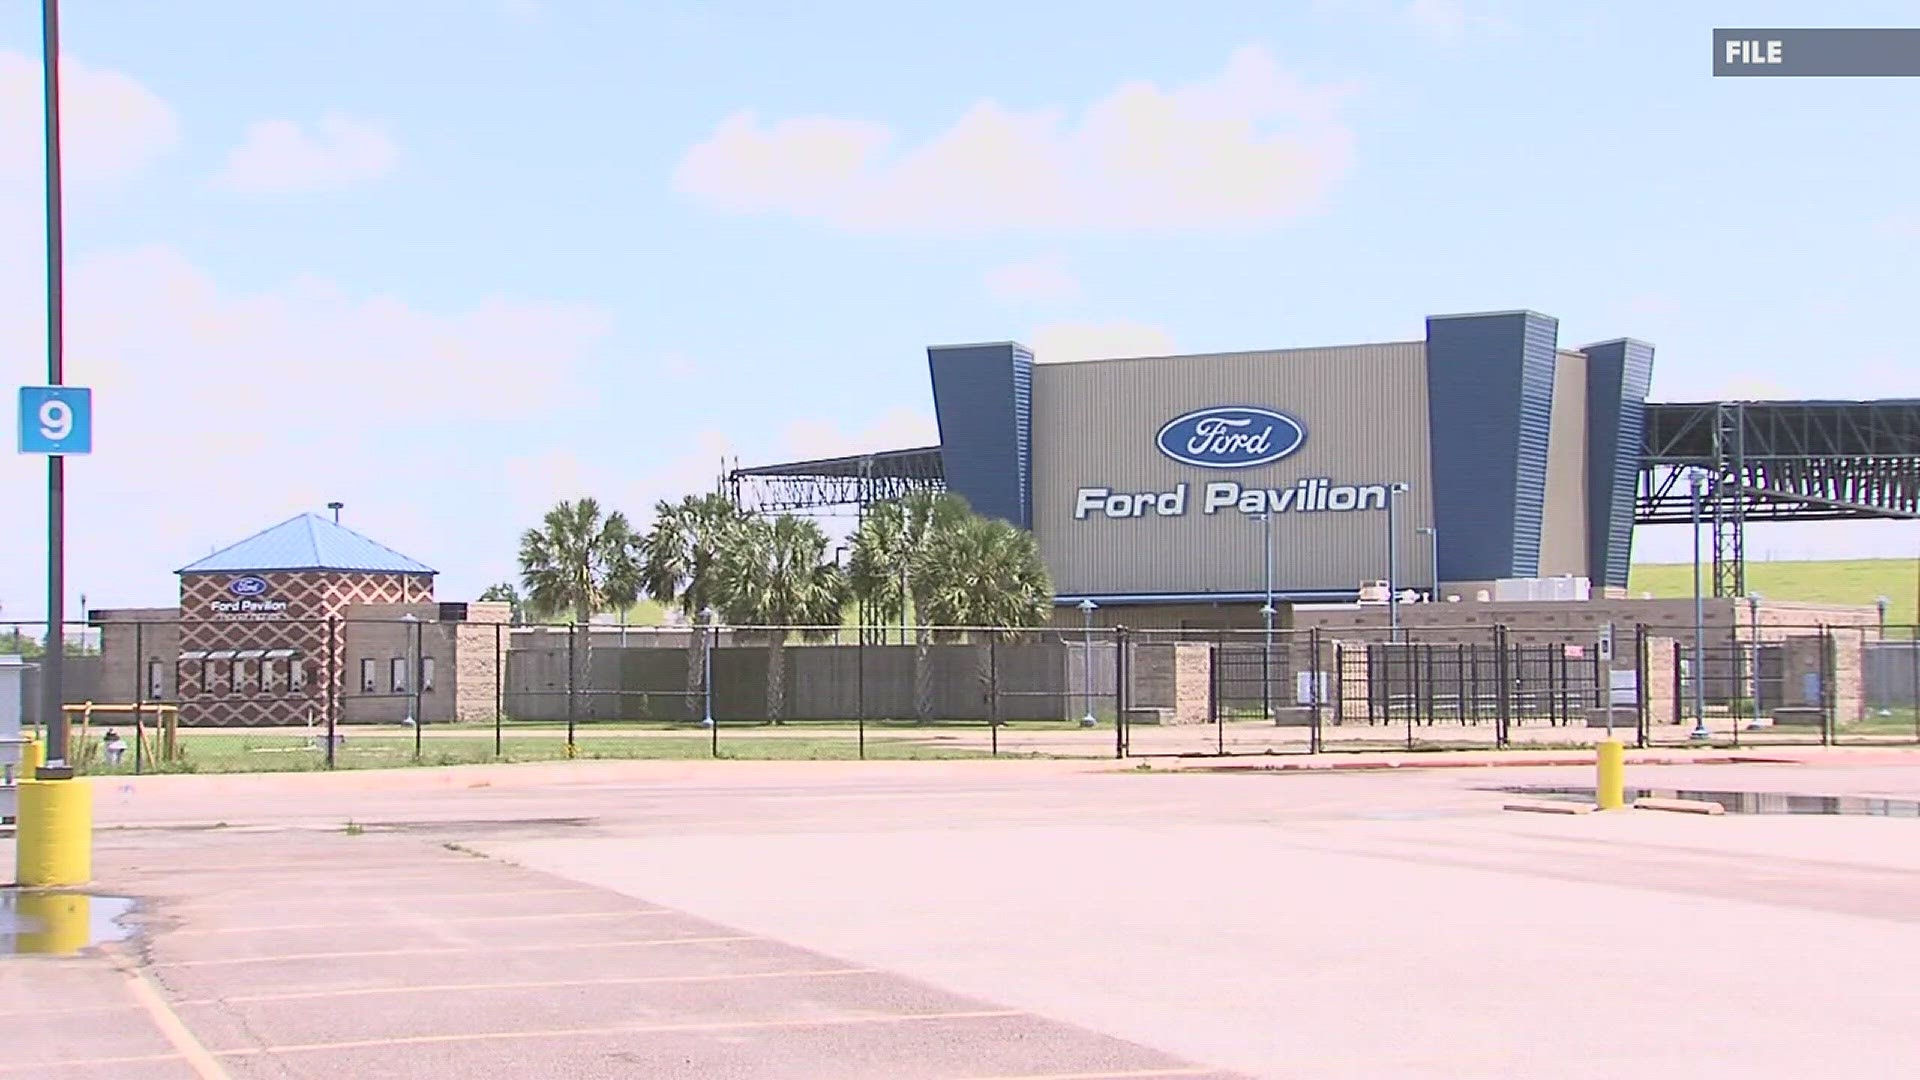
<point x="1490" y="401"/>
<point x="983" y="400"/>
<point x="1618" y="375"/>
<point x="1489" y="381"/>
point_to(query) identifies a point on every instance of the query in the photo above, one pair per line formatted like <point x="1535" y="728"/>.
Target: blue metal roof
<point x="307" y="542"/>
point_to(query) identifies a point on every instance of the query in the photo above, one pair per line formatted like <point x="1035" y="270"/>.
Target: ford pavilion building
<point x="1484" y="461"/>
<point x="1186" y="490"/>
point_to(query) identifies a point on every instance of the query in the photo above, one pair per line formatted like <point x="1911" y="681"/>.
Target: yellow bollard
<point x="62" y="923"/>
<point x="1610" y="792"/>
<point x="30" y="758"/>
<point x="53" y="834"/>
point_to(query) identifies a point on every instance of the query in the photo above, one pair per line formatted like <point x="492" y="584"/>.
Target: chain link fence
<point x="147" y="696"/>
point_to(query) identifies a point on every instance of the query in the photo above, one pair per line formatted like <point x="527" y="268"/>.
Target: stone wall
<point x="1662" y="681"/>
<point x="1175" y="678"/>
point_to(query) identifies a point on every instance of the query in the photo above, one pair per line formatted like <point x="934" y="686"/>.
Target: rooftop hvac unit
<point x="1533" y="590"/>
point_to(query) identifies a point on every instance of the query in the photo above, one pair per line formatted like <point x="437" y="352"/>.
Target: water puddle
<point x="1751" y="802"/>
<point x="42" y="923"/>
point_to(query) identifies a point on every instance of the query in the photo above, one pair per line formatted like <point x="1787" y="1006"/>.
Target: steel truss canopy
<point x="1777" y="461"/>
<point x="1784" y="460"/>
<point x="860" y="480"/>
<point x="1762" y="460"/>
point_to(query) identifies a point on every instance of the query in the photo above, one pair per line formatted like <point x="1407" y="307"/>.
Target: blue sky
<point x="449" y="262"/>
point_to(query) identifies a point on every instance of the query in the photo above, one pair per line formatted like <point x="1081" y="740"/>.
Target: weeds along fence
<point x="147" y="695"/>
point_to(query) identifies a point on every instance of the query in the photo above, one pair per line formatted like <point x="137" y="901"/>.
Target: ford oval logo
<point x="248" y="586"/>
<point x="1230" y="437"/>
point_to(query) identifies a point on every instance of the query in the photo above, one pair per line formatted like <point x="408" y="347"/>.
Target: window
<point x="367" y="683"/>
<point x="296" y="674"/>
<point x="426" y="673"/>
<point x="399" y="674"/>
<point x="233" y="674"/>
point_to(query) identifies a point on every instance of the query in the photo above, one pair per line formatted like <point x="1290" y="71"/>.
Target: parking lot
<point x="1037" y="919"/>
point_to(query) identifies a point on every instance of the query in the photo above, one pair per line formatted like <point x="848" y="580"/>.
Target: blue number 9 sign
<point x="56" y="420"/>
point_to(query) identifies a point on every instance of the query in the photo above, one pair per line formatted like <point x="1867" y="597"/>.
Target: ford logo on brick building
<point x="1230" y="437"/>
<point x="248" y="586"/>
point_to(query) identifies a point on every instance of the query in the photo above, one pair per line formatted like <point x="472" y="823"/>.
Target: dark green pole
<point x="53" y="664"/>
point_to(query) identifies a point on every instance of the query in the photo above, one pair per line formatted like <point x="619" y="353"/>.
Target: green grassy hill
<point x="1856" y="582"/>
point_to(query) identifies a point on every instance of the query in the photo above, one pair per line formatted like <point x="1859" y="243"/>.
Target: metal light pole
<point x="413" y="667"/>
<point x="1696" y="478"/>
<point x="1753" y="620"/>
<point x="1882" y="603"/>
<point x="1086" y="659"/>
<point x="336" y="508"/>
<point x="1393" y="564"/>
<point x="707" y="618"/>
<point x="1432" y="533"/>
<point x="53" y="663"/>
<point x="1266" y="617"/>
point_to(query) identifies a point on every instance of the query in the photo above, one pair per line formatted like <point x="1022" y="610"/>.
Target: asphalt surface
<point x="1031" y="920"/>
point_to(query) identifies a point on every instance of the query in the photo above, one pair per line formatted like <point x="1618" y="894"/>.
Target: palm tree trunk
<point x="696" y="670"/>
<point x="922" y="676"/>
<point x="983" y="667"/>
<point x="776" y="674"/>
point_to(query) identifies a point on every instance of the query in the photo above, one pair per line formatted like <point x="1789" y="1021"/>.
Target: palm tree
<point x="579" y="562"/>
<point x="680" y="561"/>
<point x="888" y="549"/>
<point x="776" y="578"/>
<point x="984" y="575"/>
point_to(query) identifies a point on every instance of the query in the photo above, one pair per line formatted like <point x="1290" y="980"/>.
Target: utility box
<point x="13" y="677"/>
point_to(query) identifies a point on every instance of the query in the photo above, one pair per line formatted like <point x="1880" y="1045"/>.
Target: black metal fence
<point x="147" y="696"/>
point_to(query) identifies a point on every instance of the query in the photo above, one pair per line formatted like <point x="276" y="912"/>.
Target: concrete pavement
<point x="980" y="919"/>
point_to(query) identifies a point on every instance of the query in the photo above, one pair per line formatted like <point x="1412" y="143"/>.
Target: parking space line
<point x="48" y="1067"/>
<point x="483" y="949"/>
<point x="269" y="900"/>
<point x="621" y="1029"/>
<point x="461" y="921"/>
<point x="1126" y="1074"/>
<point x="539" y="984"/>
<point x="171" y="1027"/>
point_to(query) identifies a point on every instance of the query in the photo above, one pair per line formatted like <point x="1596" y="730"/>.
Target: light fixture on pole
<point x="707" y="618"/>
<point x="1696" y="479"/>
<point x="1882" y="603"/>
<point x="1086" y="659"/>
<point x="1432" y="533"/>
<point x="336" y="508"/>
<point x="1394" y="491"/>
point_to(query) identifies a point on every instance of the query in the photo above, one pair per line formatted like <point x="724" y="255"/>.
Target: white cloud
<point x="1252" y="145"/>
<point x="1903" y="226"/>
<point x="111" y="127"/>
<point x="896" y="429"/>
<point x="1445" y="21"/>
<point x="221" y="410"/>
<point x="1043" y="278"/>
<point x="279" y="156"/>
<point x="1066" y="342"/>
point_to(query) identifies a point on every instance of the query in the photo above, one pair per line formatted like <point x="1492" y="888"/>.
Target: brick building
<point x="299" y="619"/>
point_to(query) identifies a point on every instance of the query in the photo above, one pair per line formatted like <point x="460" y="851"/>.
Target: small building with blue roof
<point x="277" y="629"/>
